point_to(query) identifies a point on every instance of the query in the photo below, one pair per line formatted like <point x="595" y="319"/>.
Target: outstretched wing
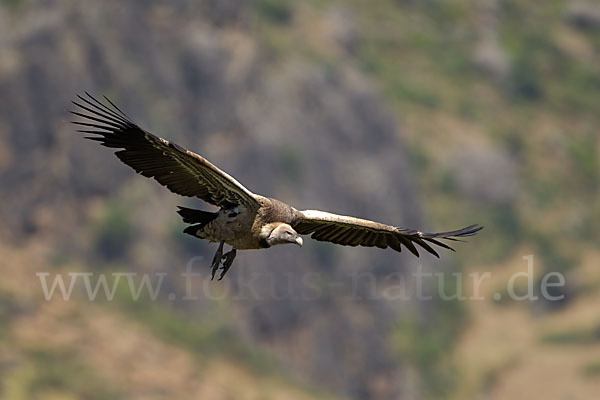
<point x="350" y="231"/>
<point x="180" y="170"/>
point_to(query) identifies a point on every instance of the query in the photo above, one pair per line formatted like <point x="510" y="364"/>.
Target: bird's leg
<point x="216" y="260"/>
<point x="227" y="261"/>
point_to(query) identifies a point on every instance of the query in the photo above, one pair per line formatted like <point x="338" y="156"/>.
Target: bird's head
<point x="282" y="234"/>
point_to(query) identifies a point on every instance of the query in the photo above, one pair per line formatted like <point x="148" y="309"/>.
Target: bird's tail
<point x="198" y="217"/>
<point x="192" y="216"/>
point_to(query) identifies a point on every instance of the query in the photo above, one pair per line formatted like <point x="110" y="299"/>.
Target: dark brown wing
<point x="182" y="171"/>
<point x="350" y="231"/>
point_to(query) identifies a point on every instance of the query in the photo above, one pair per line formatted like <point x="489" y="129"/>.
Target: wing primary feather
<point x="104" y="121"/>
<point x="103" y="133"/>
<point x="467" y="231"/>
<point x="381" y="242"/>
<point x="103" y="107"/>
<point x="100" y="113"/>
<point x="408" y="244"/>
<point x="394" y="243"/>
<point x="438" y="243"/>
<point x="116" y="107"/>
<point x="427" y="247"/>
<point x="92" y="125"/>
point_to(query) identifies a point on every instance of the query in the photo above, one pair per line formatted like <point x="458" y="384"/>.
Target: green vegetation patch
<point x="426" y="343"/>
<point x="592" y="370"/>
<point x="46" y="371"/>
<point x="274" y="11"/>
<point x="584" y="336"/>
<point x="113" y="232"/>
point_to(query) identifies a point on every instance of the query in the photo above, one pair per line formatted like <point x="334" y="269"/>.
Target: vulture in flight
<point x="245" y="220"/>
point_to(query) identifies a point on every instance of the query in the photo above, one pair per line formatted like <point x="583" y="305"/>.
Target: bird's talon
<point x="216" y="262"/>
<point x="229" y="257"/>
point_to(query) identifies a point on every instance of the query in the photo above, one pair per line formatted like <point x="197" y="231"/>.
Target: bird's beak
<point x="299" y="241"/>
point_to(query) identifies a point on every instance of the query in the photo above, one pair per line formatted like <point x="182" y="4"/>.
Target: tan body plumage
<point x="244" y="228"/>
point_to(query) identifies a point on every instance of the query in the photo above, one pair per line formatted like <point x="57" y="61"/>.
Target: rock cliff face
<point x="311" y="134"/>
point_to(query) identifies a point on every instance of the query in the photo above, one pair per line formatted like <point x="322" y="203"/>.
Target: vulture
<point x="245" y="220"/>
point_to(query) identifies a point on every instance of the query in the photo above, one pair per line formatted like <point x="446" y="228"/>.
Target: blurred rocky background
<point x="429" y="114"/>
